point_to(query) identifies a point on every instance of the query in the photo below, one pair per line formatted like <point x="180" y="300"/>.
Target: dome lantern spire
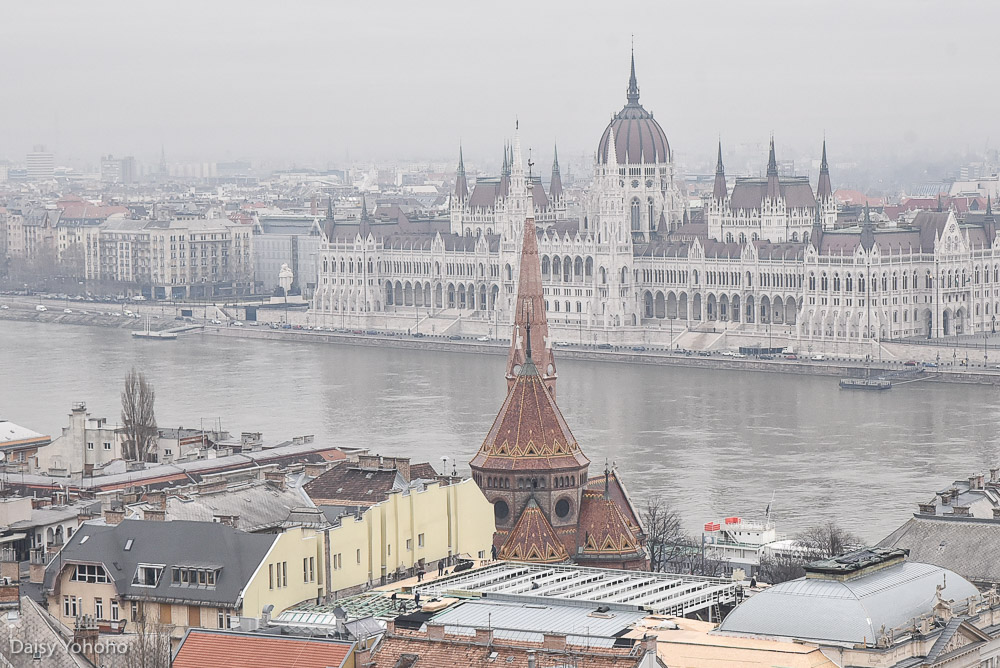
<point x="633" y="85"/>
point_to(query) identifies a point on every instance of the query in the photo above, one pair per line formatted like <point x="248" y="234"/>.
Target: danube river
<point x="714" y="443"/>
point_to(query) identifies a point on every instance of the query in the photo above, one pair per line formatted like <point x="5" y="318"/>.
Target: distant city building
<point x="41" y="164"/>
<point x="118" y="170"/>
<point x="173" y="259"/>
<point x="763" y="256"/>
<point x="287" y="239"/>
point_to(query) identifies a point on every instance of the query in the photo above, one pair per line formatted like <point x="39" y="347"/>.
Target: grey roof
<point x="966" y="545"/>
<point x="51" y="514"/>
<point x="527" y="622"/>
<point x="851" y="611"/>
<point x="257" y="505"/>
<point x="180" y="543"/>
<point x="31" y="627"/>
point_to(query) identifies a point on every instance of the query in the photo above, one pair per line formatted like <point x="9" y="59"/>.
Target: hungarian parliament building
<point x="764" y="257"/>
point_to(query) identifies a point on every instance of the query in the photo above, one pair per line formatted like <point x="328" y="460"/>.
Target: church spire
<point x="823" y="189"/>
<point x="531" y="329"/>
<point x="461" y="184"/>
<point x="633" y="85"/>
<point x="329" y="224"/>
<point x="773" y="189"/>
<point x="719" y="192"/>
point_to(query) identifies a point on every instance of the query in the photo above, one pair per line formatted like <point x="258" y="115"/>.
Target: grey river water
<point x="715" y="443"/>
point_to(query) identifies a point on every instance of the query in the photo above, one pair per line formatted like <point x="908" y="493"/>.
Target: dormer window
<point x="147" y="575"/>
<point x="92" y="573"/>
<point x="181" y="576"/>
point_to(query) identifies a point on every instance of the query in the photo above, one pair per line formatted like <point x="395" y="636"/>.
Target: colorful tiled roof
<point x="209" y="649"/>
<point x="603" y="530"/>
<point x="530" y="432"/>
<point x="533" y="539"/>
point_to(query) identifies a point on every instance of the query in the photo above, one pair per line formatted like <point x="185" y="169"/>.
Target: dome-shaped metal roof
<point x="639" y="139"/>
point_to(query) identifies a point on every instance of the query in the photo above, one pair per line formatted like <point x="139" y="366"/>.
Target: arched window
<point x="649" y="208"/>
<point x="636" y="226"/>
<point x="824" y="284"/>
<point x="812" y="281"/>
<point x="836" y="282"/>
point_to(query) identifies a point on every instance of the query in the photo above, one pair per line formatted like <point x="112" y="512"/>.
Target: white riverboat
<point x="741" y="542"/>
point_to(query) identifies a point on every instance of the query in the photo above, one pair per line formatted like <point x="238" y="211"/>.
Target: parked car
<point x="930" y="365"/>
<point x="705" y="353"/>
<point x="138" y="298"/>
<point x="818" y="358"/>
<point x="604" y="346"/>
<point x="767" y="357"/>
<point x="454" y="337"/>
<point x="738" y="355"/>
<point x="40" y="307"/>
<point x="791" y="356"/>
<point x="482" y="338"/>
<point x="639" y="349"/>
<point x="418" y="335"/>
<point x="67" y="310"/>
<point x="3" y="307"/>
<point x="912" y="363"/>
<point x="216" y="321"/>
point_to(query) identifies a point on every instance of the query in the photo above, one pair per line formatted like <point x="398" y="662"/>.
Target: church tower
<point x="530" y="467"/>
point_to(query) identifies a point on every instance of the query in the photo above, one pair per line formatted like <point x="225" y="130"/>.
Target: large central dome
<point x="638" y="138"/>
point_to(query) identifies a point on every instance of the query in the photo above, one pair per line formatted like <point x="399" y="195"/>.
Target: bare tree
<point x="138" y="419"/>
<point x="664" y="537"/>
<point x="150" y="644"/>
<point x="780" y="567"/>
<point x="828" y="540"/>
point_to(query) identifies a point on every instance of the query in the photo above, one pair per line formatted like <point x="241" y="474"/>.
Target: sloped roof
<point x="533" y="539"/>
<point x="966" y="545"/>
<point x="749" y="193"/>
<point x="603" y="529"/>
<point x="201" y="648"/>
<point x="352" y="486"/>
<point x="177" y="543"/>
<point x="618" y="493"/>
<point x="529" y="432"/>
<point x="849" y="611"/>
<point x="257" y="506"/>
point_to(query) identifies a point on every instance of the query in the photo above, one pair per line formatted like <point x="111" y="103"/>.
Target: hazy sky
<point x="315" y="81"/>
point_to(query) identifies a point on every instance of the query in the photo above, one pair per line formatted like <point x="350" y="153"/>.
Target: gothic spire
<point x="531" y="329"/>
<point x="633" y="85"/>
<point x="823" y="189"/>
<point x="461" y="184"/>
<point x="555" y="184"/>
<point x="773" y="188"/>
<point x="329" y="224"/>
<point x="989" y="205"/>
<point x="719" y="192"/>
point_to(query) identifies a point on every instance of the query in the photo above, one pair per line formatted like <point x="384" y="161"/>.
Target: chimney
<point x="996" y="513"/>
<point x="402" y="464"/>
<point x="435" y="631"/>
<point x="88" y="470"/>
<point x="228" y="520"/>
<point x="927" y="509"/>
<point x="157" y="499"/>
<point x="960" y="511"/>
<point x="994" y="473"/>
<point x="554" y="641"/>
<point x="390" y="627"/>
<point x="114" y="515"/>
<point x="945" y="498"/>
<point x="36" y="569"/>
<point x="315" y="470"/>
<point x="531" y="658"/>
<point x="155" y="515"/>
<point x="85" y="637"/>
<point x="649" y="643"/>
<point x="10" y="594"/>
<point x="954" y="493"/>
<point x="275" y="478"/>
<point x="484" y="637"/>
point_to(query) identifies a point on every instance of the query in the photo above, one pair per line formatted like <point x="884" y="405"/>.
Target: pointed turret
<point x="363" y="226"/>
<point x="329" y="224"/>
<point x="867" y="230"/>
<point x="989" y="204"/>
<point x="773" y="188"/>
<point x="612" y="152"/>
<point x="719" y="192"/>
<point x="461" y="184"/>
<point x="529" y="310"/>
<point x="633" y="85"/>
<point x="824" y="190"/>
<point x="555" y="184"/>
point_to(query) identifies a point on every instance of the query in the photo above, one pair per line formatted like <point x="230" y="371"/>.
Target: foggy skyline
<point x="312" y="82"/>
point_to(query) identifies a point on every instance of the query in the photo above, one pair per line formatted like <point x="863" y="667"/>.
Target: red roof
<point x="210" y="649"/>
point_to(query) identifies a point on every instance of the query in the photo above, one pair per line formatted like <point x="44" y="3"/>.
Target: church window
<point x="635" y="216"/>
<point x="649" y="207"/>
<point x="743" y="238"/>
<point x="562" y="508"/>
<point x="500" y="510"/>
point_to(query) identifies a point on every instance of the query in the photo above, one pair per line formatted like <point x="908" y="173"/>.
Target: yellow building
<point x="410" y="528"/>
